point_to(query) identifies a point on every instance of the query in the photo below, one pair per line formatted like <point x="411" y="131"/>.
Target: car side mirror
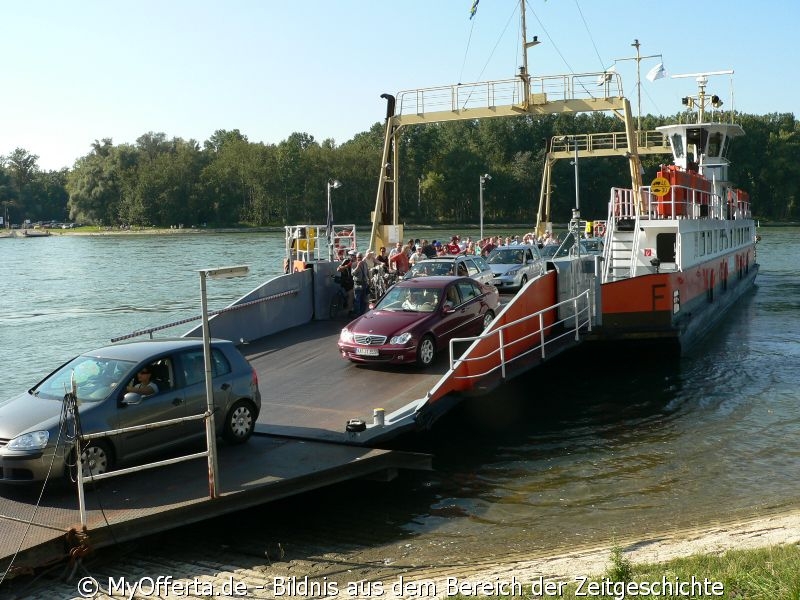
<point x="131" y="399"/>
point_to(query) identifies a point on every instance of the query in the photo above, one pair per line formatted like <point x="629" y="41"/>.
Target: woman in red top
<point x="453" y="247"/>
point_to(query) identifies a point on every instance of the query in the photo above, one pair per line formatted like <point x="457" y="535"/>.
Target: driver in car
<point x="145" y="387"/>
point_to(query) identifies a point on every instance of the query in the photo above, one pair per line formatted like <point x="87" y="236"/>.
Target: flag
<point x="657" y="72"/>
<point x="474" y="9"/>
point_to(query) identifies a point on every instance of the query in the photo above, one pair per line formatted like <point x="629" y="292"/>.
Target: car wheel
<point x="487" y="319"/>
<point x="239" y="423"/>
<point x="523" y="281"/>
<point x="426" y="352"/>
<point x="97" y="458"/>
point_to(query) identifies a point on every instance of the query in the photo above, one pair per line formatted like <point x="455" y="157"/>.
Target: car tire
<point x="488" y="317"/>
<point x="426" y="351"/>
<point x="97" y="458"/>
<point x="239" y="422"/>
<point x="523" y="281"/>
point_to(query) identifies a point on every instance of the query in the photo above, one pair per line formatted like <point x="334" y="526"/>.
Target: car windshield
<point x="506" y="256"/>
<point x="95" y="378"/>
<point x="432" y="267"/>
<point x="410" y="299"/>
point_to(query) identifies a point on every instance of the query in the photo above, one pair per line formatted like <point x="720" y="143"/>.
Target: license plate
<point x="367" y="351"/>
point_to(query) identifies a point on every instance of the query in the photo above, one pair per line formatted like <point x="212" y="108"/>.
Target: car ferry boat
<point x="678" y="252"/>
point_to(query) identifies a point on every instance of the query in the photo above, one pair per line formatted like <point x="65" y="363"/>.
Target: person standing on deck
<point x="360" y="285"/>
<point x="346" y="280"/>
<point x="399" y="261"/>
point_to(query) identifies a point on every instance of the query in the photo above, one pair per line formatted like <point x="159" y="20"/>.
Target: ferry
<point x="676" y="254"/>
<point x="679" y="252"/>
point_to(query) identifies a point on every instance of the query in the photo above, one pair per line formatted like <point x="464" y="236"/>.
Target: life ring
<point x="599" y="229"/>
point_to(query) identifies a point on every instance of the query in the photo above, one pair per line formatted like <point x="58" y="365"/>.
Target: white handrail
<point x="108" y="474"/>
<point x="579" y="323"/>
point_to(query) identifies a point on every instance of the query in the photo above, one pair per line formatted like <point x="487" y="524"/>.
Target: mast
<point x="524" y="40"/>
<point x="701" y="101"/>
<point x="523" y="70"/>
<point x="638" y="58"/>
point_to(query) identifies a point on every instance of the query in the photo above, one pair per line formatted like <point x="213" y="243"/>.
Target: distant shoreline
<point x="278" y="229"/>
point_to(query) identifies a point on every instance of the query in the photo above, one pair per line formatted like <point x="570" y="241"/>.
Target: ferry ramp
<point x="41" y="531"/>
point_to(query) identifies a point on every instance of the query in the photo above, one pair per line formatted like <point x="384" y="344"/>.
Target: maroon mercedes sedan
<point x="417" y="318"/>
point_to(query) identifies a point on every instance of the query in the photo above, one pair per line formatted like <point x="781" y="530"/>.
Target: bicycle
<point x="380" y="281"/>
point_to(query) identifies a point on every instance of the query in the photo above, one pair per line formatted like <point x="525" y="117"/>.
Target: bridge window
<point x="715" y="144"/>
<point x="677" y="145"/>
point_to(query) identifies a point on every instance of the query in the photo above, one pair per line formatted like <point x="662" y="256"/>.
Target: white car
<point x="513" y="266"/>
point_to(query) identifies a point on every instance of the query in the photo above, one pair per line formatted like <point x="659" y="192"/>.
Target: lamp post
<point x="566" y="139"/>
<point x="211" y="436"/>
<point x="482" y="180"/>
<point x="332" y="185"/>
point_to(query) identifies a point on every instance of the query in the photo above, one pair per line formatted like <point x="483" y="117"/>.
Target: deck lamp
<point x="333" y="184"/>
<point x="482" y="180"/>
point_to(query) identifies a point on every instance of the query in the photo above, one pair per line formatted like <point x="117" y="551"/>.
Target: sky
<point x="75" y="72"/>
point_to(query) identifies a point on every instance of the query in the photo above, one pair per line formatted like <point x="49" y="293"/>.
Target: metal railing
<point x="582" y="318"/>
<point x="150" y="330"/>
<point x="311" y="242"/>
<point x="488" y="94"/>
<point x="80" y="479"/>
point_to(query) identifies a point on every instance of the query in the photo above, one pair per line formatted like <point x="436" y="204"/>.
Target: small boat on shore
<point x="35" y="233"/>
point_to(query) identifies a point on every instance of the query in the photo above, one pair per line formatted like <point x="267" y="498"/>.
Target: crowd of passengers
<point x="402" y="256"/>
<point x="354" y="270"/>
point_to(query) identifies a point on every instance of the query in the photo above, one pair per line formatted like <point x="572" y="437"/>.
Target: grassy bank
<point x="771" y="573"/>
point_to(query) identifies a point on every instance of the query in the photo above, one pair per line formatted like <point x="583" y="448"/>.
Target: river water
<point x="584" y="451"/>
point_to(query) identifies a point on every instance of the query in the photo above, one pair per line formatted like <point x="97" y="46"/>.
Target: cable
<point x="586" y="25"/>
<point x="466" y="50"/>
<point x="29" y="524"/>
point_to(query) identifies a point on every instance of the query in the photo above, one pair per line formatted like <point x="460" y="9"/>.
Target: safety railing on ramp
<point x="530" y="336"/>
<point x="209" y="453"/>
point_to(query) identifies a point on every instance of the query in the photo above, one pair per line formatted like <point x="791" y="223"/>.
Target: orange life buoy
<point x="599" y="229"/>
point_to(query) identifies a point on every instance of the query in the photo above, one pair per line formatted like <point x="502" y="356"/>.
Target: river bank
<point x="260" y="567"/>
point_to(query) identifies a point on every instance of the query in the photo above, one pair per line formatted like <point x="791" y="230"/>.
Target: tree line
<point x="229" y="181"/>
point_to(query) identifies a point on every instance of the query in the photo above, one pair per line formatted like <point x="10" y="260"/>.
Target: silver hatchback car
<point x="37" y="441"/>
<point x="462" y="265"/>
<point x="513" y="266"/>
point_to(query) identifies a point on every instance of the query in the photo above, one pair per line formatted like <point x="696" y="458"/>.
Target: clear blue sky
<point x="75" y="72"/>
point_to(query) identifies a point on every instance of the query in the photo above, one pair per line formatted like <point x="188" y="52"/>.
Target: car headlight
<point x="512" y="272"/>
<point x="403" y="338"/>
<point x="346" y="336"/>
<point x="35" y="440"/>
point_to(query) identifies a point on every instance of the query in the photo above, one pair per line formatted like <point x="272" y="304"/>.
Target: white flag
<point x="657" y="72"/>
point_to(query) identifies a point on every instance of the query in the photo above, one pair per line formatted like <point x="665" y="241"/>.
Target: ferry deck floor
<point x="308" y="394"/>
<point x="309" y="391"/>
